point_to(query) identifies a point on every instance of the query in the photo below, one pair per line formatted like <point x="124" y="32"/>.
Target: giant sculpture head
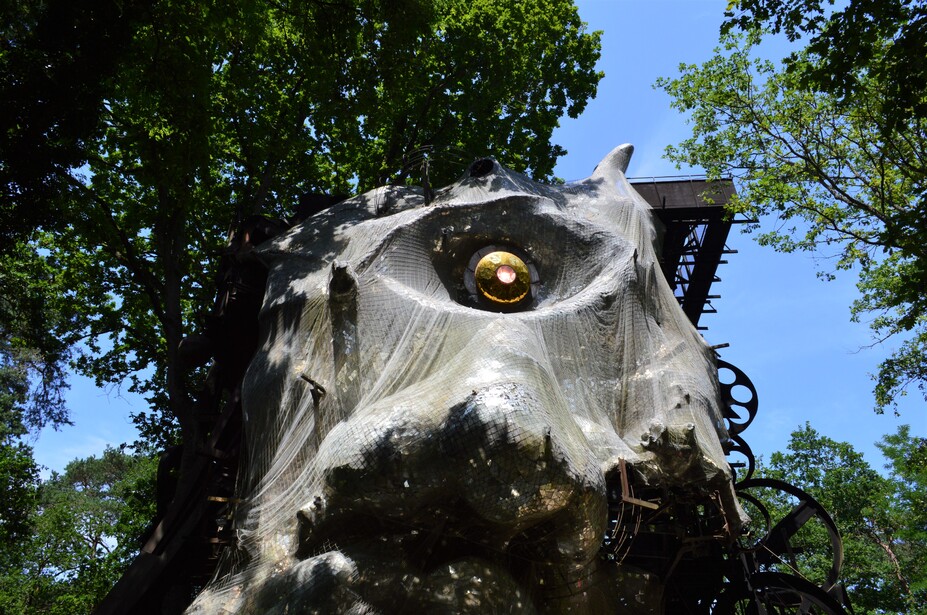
<point x="444" y="388"/>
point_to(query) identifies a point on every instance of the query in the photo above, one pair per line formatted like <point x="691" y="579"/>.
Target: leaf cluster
<point x="833" y="173"/>
<point x="34" y="343"/>
<point x="56" y="60"/>
<point x="881" y="39"/>
<point x="18" y="480"/>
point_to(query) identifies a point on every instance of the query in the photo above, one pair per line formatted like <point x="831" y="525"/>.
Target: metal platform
<point x="694" y="239"/>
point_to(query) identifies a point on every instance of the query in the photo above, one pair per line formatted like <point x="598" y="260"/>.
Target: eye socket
<point x="502" y="278"/>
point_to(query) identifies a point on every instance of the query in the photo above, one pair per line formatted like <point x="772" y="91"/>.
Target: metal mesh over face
<point x="410" y="449"/>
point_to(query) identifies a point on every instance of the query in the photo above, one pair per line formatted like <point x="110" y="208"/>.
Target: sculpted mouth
<point x="449" y="559"/>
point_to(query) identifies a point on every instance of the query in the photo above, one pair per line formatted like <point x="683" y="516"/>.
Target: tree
<point x="219" y="112"/>
<point x="35" y="340"/>
<point x="85" y="525"/>
<point x="838" y="172"/>
<point x="19" y="480"/>
<point x="884" y="541"/>
<point x="32" y="364"/>
<point x="907" y="456"/>
<point x="882" y="38"/>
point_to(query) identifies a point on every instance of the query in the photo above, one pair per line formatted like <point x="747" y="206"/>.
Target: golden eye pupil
<point x="506" y="274"/>
<point x="502" y="278"/>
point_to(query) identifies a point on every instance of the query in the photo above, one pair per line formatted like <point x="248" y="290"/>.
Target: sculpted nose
<point x="522" y="461"/>
<point x="505" y="462"/>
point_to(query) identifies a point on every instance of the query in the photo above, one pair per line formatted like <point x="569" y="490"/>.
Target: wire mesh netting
<point x="413" y="444"/>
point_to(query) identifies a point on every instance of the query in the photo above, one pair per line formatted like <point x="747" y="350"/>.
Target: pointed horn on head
<point x="614" y="164"/>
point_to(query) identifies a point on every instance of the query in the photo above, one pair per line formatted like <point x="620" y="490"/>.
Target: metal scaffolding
<point x="696" y="227"/>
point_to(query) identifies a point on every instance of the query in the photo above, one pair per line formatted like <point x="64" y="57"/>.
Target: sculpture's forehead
<point x="533" y="222"/>
<point x="503" y="207"/>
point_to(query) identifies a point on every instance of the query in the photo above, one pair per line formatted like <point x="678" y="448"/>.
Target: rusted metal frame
<point x="626" y="489"/>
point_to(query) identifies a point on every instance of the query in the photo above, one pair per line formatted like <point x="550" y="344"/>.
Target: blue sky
<point x="789" y="331"/>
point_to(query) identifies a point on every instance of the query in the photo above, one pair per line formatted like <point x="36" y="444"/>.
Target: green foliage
<point x="838" y="175"/>
<point x="884" y="538"/>
<point x="218" y="111"/>
<point x="18" y="480"/>
<point x="883" y="39"/>
<point x="907" y="457"/>
<point x="85" y="527"/>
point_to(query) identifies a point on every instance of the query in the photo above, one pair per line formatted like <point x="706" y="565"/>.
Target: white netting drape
<point x="406" y="444"/>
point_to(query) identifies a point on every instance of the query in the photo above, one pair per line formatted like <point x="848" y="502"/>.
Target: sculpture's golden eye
<point x="501" y="278"/>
